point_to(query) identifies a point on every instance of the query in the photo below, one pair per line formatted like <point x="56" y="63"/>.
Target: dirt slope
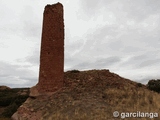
<point x="91" y="95"/>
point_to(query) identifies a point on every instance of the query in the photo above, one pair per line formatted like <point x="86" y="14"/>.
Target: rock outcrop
<point x="4" y="88"/>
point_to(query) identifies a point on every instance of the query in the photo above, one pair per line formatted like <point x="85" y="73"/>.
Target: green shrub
<point x="154" y="85"/>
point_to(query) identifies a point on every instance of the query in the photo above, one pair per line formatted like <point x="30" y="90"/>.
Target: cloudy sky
<point x="120" y="35"/>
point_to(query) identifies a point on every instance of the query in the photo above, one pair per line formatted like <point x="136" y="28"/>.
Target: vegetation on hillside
<point x="87" y="95"/>
<point x="154" y="85"/>
<point x="10" y="100"/>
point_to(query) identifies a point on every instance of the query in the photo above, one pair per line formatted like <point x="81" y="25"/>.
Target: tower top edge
<point x="53" y="5"/>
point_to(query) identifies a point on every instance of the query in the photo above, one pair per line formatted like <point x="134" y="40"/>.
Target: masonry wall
<point x="52" y="49"/>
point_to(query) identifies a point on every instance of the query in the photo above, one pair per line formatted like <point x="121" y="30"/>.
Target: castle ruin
<point x="52" y="50"/>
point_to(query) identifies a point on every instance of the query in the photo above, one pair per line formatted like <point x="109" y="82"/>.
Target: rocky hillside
<point x="92" y="95"/>
<point x="10" y="100"/>
<point x="4" y="88"/>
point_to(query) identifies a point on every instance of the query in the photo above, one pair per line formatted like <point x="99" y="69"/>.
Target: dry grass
<point x="128" y="100"/>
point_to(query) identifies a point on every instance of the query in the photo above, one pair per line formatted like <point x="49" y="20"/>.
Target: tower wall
<point x="52" y="49"/>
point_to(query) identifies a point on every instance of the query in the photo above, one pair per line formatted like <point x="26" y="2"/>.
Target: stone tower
<point x="52" y="50"/>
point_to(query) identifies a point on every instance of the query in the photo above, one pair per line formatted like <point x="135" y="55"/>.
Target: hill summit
<point x="91" y="95"/>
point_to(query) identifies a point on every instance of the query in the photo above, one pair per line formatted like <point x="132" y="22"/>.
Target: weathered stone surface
<point x="52" y="49"/>
<point x="24" y="113"/>
<point x="34" y="92"/>
<point x="15" y="116"/>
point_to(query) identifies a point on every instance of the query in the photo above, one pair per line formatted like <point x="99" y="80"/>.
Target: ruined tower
<point x="52" y="49"/>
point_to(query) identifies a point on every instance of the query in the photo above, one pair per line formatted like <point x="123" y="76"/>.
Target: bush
<point x="5" y="101"/>
<point x="11" y="100"/>
<point x="74" y="71"/>
<point x="154" y="85"/>
<point x="139" y="85"/>
<point x="20" y="99"/>
<point x="10" y="110"/>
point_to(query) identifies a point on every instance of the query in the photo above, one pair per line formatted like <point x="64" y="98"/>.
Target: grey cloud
<point x="114" y="43"/>
<point x="16" y="75"/>
<point x="121" y="45"/>
<point x="31" y="24"/>
<point x="139" y="57"/>
<point x="96" y="40"/>
<point x="99" y="63"/>
<point x="6" y="68"/>
<point x="136" y="10"/>
<point x="113" y="40"/>
<point x="148" y="63"/>
<point x="131" y="49"/>
<point x="34" y="58"/>
<point x="107" y="62"/>
<point x="144" y="62"/>
<point x="31" y="29"/>
<point x="145" y="79"/>
<point x="17" y="82"/>
<point x="74" y="46"/>
<point x="141" y="9"/>
<point x="105" y="31"/>
<point x="91" y="8"/>
<point x="69" y="62"/>
<point x="83" y="65"/>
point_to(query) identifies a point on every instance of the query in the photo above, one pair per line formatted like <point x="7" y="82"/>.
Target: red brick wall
<point x="52" y="49"/>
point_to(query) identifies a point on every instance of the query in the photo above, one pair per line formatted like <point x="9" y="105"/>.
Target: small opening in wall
<point x="48" y="52"/>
